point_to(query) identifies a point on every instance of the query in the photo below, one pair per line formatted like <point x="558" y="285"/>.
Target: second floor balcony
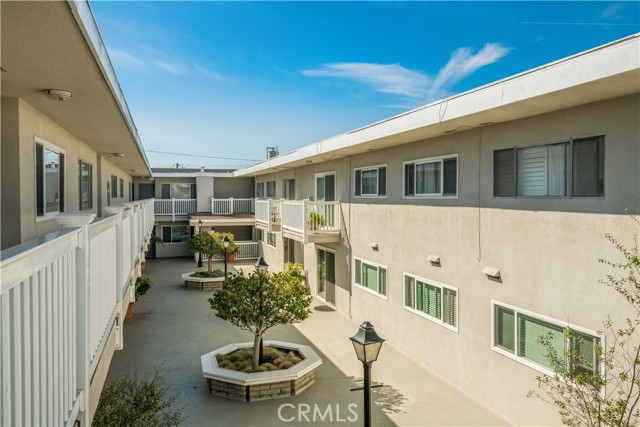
<point x="180" y="209"/>
<point x="301" y="220"/>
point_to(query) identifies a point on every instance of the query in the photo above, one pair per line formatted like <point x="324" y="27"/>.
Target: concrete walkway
<point x="173" y="327"/>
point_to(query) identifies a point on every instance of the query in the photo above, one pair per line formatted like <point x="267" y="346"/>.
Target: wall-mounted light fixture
<point x="434" y="259"/>
<point x="491" y="272"/>
<point x="374" y="245"/>
<point x="58" y="94"/>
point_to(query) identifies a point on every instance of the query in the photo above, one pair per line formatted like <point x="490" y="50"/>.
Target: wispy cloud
<point x="126" y="60"/>
<point x="387" y="78"/>
<point x="612" y="12"/>
<point x="414" y="85"/>
<point x="463" y="63"/>
<point x="149" y="59"/>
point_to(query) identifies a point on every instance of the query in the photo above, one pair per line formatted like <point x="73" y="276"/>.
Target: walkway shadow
<point x="388" y="398"/>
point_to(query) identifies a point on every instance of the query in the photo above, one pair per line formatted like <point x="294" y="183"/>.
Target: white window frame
<point x="378" y="267"/>
<point x="315" y="184"/>
<point x="288" y="189"/>
<point x="260" y="193"/>
<point x="275" y="241"/>
<point x="47" y="145"/>
<point x="171" y="226"/>
<point x="260" y="234"/>
<point x="267" y="185"/>
<point x="81" y="164"/>
<point x="442" y="286"/>
<point x="543" y="318"/>
<point x="365" y="169"/>
<point x="427" y="160"/>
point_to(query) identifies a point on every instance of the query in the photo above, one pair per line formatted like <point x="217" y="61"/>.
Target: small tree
<point x="261" y="300"/>
<point x="601" y="386"/>
<point x="135" y="402"/>
<point x="209" y="243"/>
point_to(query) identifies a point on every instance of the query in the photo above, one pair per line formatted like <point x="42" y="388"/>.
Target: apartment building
<point x="188" y="201"/>
<point x="72" y="239"/>
<point x="467" y="228"/>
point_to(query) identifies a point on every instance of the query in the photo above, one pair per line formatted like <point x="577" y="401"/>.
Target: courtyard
<point x="173" y="326"/>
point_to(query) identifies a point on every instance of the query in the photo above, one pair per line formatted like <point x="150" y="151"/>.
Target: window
<point x="436" y="302"/>
<point x="49" y="178"/>
<point x="259" y="235"/>
<point x="178" y="191"/>
<point x="289" y="250"/>
<point x="371" y="181"/>
<point x="517" y="333"/>
<point x="85" y="185"/>
<point x="371" y="276"/>
<point x="121" y="187"/>
<point x="326" y="187"/>
<point x="574" y="168"/>
<point x="175" y="233"/>
<point x="271" y="189"/>
<point x="289" y="189"/>
<point x="260" y="189"/>
<point x="437" y="176"/>
<point x="271" y="239"/>
<point x="114" y="186"/>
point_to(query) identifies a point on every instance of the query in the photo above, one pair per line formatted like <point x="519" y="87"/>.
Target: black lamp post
<point x="199" y="253"/>
<point x="225" y="243"/>
<point x="261" y="264"/>
<point x="367" y="345"/>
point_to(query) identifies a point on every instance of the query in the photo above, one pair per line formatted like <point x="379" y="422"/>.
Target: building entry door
<point x="326" y="266"/>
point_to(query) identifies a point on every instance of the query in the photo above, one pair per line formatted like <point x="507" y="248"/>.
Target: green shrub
<point x="143" y="284"/>
<point x="137" y="402"/>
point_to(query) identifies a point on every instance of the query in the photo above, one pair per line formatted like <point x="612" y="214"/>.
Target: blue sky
<point x="228" y="79"/>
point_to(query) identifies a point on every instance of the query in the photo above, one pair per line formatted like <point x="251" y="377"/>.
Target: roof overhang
<point x="57" y="45"/>
<point x="606" y="72"/>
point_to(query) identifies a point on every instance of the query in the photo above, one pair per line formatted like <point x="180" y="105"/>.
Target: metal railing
<point x="59" y="299"/>
<point x="232" y="206"/>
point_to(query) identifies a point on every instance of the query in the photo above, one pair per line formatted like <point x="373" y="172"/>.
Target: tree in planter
<point x="261" y="300"/>
<point x="592" y="385"/>
<point x="209" y="243"/>
<point x="131" y="401"/>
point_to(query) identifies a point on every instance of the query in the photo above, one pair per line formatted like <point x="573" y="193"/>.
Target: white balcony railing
<point x="246" y="250"/>
<point x="59" y="299"/>
<point x="232" y="206"/>
<point x="268" y="213"/>
<point x="175" y="207"/>
<point x="310" y="218"/>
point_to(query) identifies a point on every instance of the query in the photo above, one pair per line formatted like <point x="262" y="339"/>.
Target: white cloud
<point x="172" y="68"/>
<point x="149" y="59"/>
<point x="396" y="79"/>
<point x="387" y="78"/>
<point x="463" y="63"/>
<point x="126" y="60"/>
<point x="612" y="12"/>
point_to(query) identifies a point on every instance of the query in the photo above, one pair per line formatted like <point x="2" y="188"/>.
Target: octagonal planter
<point x="202" y="283"/>
<point x="254" y="386"/>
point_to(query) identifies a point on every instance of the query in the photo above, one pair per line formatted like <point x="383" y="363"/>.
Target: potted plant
<point x="142" y="286"/>
<point x="316" y="220"/>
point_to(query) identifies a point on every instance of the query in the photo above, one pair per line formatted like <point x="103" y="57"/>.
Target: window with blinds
<point x="436" y="176"/>
<point x="573" y="168"/>
<point x="370" y="181"/>
<point x="371" y="276"/>
<point x="518" y="335"/>
<point x="432" y="300"/>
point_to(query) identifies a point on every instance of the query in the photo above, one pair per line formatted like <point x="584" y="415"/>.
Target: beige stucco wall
<point x="204" y="192"/>
<point x="238" y="188"/>
<point x="546" y="249"/>
<point x="107" y="169"/>
<point x="32" y="124"/>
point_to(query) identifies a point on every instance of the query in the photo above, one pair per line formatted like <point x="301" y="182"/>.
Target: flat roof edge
<point x="83" y="14"/>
